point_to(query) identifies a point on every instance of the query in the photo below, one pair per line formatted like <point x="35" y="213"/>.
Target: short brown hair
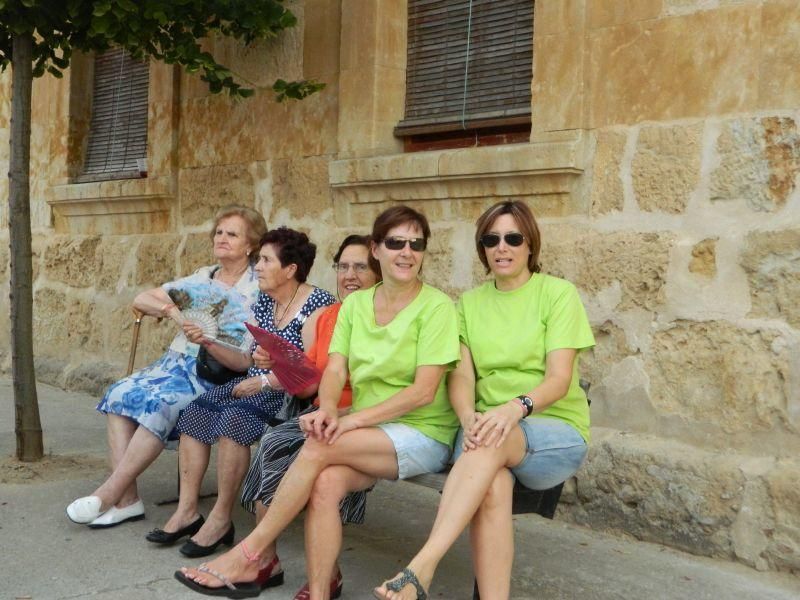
<point x="255" y="229"/>
<point x="392" y="217"/>
<point x="527" y="227"/>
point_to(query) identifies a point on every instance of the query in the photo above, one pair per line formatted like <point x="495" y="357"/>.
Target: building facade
<point x="659" y="149"/>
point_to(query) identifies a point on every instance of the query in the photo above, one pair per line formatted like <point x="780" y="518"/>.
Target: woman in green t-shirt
<point x="396" y="341"/>
<point x="523" y="414"/>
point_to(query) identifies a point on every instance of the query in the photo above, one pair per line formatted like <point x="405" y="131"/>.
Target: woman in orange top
<point x="281" y="445"/>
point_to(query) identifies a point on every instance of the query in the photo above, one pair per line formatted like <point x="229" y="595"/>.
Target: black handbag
<point x="210" y="369"/>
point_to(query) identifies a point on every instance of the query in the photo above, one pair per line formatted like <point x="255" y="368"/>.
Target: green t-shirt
<point x="382" y="360"/>
<point x="509" y="335"/>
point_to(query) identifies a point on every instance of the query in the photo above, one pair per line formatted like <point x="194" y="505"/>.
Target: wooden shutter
<point x="118" y="129"/>
<point x="497" y="63"/>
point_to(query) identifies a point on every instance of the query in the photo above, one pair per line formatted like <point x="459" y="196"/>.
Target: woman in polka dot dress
<point x="235" y="414"/>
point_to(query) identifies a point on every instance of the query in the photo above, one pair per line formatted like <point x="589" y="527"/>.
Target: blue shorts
<point x="416" y="452"/>
<point x="553" y="454"/>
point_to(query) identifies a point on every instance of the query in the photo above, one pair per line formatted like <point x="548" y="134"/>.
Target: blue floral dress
<point x="218" y="413"/>
<point x="155" y="395"/>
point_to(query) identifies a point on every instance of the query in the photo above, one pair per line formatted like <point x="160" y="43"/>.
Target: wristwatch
<point x="527" y="402"/>
<point x="265" y="384"/>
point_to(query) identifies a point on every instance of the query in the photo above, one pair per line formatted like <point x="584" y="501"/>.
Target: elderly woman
<point x="523" y="414"/>
<point x="396" y="341"/>
<point x="281" y="445"/>
<point x="142" y="409"/>
<point x="235" y="414"/>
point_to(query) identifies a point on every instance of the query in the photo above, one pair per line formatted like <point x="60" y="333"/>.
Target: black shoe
<point x="193" y="550"/>
<point x="167" y="538"/>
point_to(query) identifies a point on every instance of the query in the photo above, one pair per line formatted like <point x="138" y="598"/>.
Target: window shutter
<point x="497" y="63"/>
<point x="118" y="129"/>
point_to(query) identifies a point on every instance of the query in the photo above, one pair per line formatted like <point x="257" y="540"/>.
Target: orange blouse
<point x="318" y="353"/>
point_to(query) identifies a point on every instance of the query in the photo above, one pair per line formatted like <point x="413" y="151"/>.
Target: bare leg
<point x="232" y="462"/>
<point x="324" y="525"/>
<point x="272" y="549"/>
<point x="120" y="487"/>
<point x="193" y="456"/>
<point x="368" y="450"/>
<point x="492" y="539"/>
<point x="463" y="493"/>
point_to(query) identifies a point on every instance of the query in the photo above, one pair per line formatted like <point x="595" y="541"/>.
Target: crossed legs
<point x="368" y="450"/>
<point x="132" y="448"/>
<point x="464" y="497"/>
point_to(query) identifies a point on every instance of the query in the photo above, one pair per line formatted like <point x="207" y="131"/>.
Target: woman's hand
<point x="468" y="421"/>
<point x="493" y="426"/>
<point x="262" y="359"/>
<point x="318" y="423"/>
<point x="248" y="387"/>
<point x="194" y="333"/>
<point x="346" y="423"/>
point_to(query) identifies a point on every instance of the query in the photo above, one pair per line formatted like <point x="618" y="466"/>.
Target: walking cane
<point x="139" y="315"/>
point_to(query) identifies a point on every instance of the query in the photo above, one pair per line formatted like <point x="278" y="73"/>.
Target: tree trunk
<point x="28" y="427"/>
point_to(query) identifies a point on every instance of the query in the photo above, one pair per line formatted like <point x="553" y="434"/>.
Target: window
<point x="118" y="127"/>
<point x="469" y="70"/>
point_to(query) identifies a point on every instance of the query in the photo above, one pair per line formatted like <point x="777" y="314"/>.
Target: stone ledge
<point x="114" y="207"/>
<point x="517" y="170"/>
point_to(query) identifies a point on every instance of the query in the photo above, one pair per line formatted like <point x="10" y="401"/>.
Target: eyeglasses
<point x="343" y="267"/>
<point x="490" y="240"/>
<point x="395" y="243"/>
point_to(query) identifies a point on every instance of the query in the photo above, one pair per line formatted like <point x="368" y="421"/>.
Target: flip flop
<point x="246" y="589"/>
<point x="397" y="584"/>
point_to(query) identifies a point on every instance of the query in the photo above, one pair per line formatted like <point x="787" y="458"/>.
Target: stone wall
<point x="663" y="165"/>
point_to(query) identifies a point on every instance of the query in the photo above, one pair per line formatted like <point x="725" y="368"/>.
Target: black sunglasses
<point x="490" y="240"/>
<point x="395" y="243"/>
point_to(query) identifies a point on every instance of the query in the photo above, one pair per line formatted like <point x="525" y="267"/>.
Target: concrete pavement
<point x="45" y="556"/>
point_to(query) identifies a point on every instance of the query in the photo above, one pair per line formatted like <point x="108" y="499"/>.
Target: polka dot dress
<point x="217" y="413"/>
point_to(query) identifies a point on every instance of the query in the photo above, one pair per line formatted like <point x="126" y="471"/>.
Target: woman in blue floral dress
<point x="143" y="408"/>
<point x="235" y="414"/>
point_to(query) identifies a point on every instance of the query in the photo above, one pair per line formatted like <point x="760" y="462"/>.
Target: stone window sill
<point x="547" y="169"/>
<point x="121" y="206"/>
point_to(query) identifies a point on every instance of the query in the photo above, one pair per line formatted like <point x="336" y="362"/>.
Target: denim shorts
<point x="416" y="452"/>
<point x="553" y="454"/>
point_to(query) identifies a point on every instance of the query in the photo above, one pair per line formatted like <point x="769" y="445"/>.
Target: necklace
<point x="230" y="279"/>
<point x="286" y="310"/>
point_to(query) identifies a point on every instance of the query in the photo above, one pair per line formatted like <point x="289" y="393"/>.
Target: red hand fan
<point x="290" y="365"/>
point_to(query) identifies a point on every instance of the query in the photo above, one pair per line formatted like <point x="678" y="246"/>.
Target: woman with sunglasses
<point x="395" y="341"/>
<point x="281" y="444"/>
<point x="523" y="415"/>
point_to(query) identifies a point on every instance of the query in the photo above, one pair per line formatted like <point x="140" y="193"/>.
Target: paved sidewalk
<point x="45" y="556"/>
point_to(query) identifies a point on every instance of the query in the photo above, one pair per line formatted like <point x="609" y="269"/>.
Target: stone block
<point x="205" y="190"/>
<point x="114" y="258"/>
<point x="558" y="17"/>
<point x="72" y="260"/>
<point x="712" y="67"/>
<point x="779" y="77"/>
<point x="759" y="160"/>
<point x="155" y="260"/>
<point x="611" y="347"/>
<point x="666" y="167"/>
<point x="558" y="82"/>
<point x="605" y="14"/>
<point x="300" y="187"/>
<point x="717" y="375"/>
<point x="704" y="258"/>
<point x="771" y="260"/>
<point x="783" y="547"/>
<point x="607" y="190"/>
<point x="659" y="491"/>
<point x="197" y="252"/>
<point x="91" y="377"/>
<point x="594" y="261"/>
<point x="62" y="324"/>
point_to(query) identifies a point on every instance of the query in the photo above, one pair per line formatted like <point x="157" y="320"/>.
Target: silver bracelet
<point x="265" y="384"/>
